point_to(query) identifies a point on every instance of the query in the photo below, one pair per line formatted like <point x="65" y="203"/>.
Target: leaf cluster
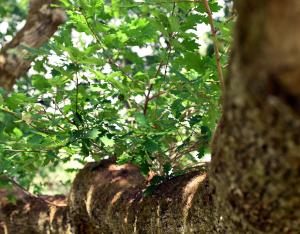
<point x="121" y="79"/>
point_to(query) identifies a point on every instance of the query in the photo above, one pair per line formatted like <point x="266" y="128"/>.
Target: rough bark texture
<point x="106" y="198"/>
<point x="31" y="215"/>
<point x="256" y="157"/>
<point x="253" y="182"/>
<point x="42" y="22"/>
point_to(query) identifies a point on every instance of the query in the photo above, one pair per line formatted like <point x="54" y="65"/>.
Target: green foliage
<point x="91" y="94"/>
<point x="12" y="12"/>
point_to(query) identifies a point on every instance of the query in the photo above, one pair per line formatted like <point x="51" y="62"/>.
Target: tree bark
<point x="253" y="182"/>
<point x="31" y="215"/>
<point x="256" y="152"/>
<point x="42" y="22"/>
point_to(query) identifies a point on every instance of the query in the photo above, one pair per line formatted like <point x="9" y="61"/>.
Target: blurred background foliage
<point x="132" y="80"/>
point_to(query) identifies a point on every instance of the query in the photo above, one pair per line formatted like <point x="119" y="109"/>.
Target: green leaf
<point x="107" y="142"/>
<point x="1" y="100"/>
<point x="140" y="119"/>
<point x="93" y="134"/>
<point x="151" y="146"/>
<point x="167" y="168"/>
<point x="17" y="132"/>
<point x="40" y="82"/>
<point x="174" y="23"/>
<point x="17" y="99"/>
<point x="177" y="108"/>
<point x="195" y="119"/>
<point x="90" y="83"/>
<point x="201" y="152"/>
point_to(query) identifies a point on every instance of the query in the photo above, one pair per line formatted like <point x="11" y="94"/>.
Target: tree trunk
<point x="256" y="153"/>
<point x="252" y="184"/>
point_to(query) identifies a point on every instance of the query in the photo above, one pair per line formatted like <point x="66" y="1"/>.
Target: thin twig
<point x="76" y="98"/>
<point x="201" y="166"/>
<point x="157" y="95"/>
<point x="26" y="151"/>
<point x="145" y="109"/>
<point x="53" y="118"/>
<point x="168" y="50"/>
<point x="191" y="148"/>
<point x="215" y="42"/>
<point x="15" y="183"/>
<point x="27" y="123"/>
<point x="147" y="96"/>
<point x="231" y="18"/>
<point x="64" y="116"/>
<point x="160" y="2"/>
<point x="96" y="37"/>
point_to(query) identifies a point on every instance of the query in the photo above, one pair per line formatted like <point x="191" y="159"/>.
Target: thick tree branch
<point x="176" y="206"/>
<point x="42" y="22"/>
<point x="32" y="214"/>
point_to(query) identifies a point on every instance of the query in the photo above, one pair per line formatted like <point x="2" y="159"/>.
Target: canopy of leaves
<point x="122" y="78"/>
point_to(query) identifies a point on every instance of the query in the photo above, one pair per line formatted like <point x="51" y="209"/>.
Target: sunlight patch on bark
<point x="188" y="195"/>
<point x="89" y="200"/>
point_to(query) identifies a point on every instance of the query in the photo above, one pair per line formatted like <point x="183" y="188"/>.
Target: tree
<point x="251" y="185"/>
<point x="41" y="24"/>
<point x="156" y="110"/>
